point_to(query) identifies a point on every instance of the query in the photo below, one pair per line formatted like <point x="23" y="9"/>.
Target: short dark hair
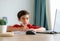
<point x="21" y="13"/>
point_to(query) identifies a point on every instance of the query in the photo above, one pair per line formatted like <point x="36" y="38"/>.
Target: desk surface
<point x="37" y="37"/>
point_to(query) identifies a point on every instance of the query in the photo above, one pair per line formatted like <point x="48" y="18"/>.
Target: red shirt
<point x="28" y="25"/>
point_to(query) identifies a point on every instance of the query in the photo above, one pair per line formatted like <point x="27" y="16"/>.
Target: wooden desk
<point x="38" y="37"/>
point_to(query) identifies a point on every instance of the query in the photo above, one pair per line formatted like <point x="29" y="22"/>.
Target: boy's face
<point x="24" y="19"/>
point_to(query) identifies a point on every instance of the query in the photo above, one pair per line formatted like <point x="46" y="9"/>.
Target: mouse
<point x="30" y="32"/>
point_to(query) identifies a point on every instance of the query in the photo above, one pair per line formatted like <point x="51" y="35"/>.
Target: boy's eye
<point x="23" y="18"/>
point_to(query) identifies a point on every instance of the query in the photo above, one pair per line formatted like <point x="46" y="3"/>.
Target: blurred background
<point x="42" y="12"/>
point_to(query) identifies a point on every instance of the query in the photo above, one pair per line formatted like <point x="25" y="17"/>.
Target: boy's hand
<point x="42" y="29"/>
<point x="25" y="28"/>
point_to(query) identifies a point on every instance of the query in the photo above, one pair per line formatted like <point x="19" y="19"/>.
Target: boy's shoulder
<point x="16" y="25"/>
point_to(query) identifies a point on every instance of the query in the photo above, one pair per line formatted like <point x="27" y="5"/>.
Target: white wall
<point x="10" y="8"/>
<point x="58" y="4"/>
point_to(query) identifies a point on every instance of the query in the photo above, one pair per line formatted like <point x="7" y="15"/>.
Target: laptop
<point x="56" y="28"/>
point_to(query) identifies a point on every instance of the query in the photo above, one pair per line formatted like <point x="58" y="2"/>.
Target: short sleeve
<point x="34" y="27"/>
<point x="16" y="26"/>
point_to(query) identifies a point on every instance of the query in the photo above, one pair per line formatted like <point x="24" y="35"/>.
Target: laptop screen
<point x="57" y="21"/>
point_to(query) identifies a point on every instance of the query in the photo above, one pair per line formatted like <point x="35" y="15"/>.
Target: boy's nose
<point x="25" y="20"/>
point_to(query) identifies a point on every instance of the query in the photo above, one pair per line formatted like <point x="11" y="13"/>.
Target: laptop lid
<point x="57" y="21"/>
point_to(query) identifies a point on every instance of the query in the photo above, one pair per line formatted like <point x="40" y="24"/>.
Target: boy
<point x="23" y="18"/>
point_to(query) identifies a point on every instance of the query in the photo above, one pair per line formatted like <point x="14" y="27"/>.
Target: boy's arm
<point x="41" y="29"/>
<point x="11" y="28"/>
<point x="36" y="28"/>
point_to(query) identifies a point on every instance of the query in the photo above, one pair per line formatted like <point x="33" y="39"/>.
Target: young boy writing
<point x="23" y="18"/>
